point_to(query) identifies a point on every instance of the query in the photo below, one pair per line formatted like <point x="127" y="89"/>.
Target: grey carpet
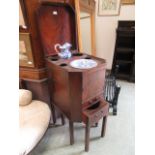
<point x="119" y="138"/>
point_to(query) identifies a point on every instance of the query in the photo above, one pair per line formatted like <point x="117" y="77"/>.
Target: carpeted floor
<point x="119" y="138"/>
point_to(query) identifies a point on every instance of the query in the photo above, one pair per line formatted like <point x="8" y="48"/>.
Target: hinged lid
<point x="57" y="24"/>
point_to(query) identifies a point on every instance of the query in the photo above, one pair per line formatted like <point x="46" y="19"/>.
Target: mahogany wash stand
<point x="77" y="93"/>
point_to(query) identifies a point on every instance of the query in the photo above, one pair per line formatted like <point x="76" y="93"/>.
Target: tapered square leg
<point x="53" y="113"/>
<point x="87" y="134"/>
<point x="71" y="132"/>
<point x="96" y="124"/>
<point x="62" y="119"/>
<point x="104" y="126"/>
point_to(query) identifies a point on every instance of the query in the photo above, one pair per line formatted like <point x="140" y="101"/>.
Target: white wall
<point x="105" y="31"/>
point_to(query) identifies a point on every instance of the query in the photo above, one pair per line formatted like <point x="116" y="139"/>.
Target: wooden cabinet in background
<point x="32" y="69"/>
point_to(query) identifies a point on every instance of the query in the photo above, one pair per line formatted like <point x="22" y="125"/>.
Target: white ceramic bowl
<point x="83" y="63"/>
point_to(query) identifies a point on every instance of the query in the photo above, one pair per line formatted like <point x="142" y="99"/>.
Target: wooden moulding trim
<point x="37" y="81"/>
<point x="35" y="74"/>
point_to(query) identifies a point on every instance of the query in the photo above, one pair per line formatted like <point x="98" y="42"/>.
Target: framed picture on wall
<point x="25" y="50"/>
<point x="109" y="7"/>
<point x="127" y="2"/>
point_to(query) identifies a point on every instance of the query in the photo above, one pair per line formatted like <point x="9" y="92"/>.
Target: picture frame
<point x="25" y="50"/>
<point x="109" y="7"/>
<point x="127" y="2"/>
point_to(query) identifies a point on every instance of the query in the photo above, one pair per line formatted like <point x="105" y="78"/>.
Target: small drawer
<point x="95" y="114"/>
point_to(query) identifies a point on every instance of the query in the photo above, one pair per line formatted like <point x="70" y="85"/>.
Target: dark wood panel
<point x="59" y="89"/>
<point x="75" y="80"/>
<point x="93" y="83"/>
<point x="56" y="24"/>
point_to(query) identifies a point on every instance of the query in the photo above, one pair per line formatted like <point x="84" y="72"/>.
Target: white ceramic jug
<point x="64" y="50"/>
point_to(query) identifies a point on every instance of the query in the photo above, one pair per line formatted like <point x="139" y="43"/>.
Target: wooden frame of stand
<point x="82" y="6"/>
